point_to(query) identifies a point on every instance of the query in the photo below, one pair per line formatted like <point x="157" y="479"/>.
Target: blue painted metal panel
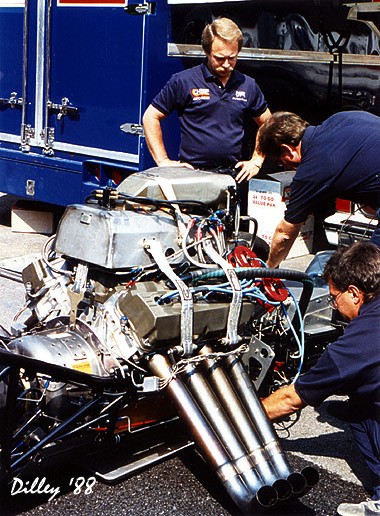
<point x="48" y="181"/>
<point x="96" y="63"/>
<point x="11" y="31"/>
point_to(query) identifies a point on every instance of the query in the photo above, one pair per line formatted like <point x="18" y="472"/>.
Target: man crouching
<point x="351" y="365"/>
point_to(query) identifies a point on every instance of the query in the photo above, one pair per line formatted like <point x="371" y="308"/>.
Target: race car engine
<point x="149" y="298"/>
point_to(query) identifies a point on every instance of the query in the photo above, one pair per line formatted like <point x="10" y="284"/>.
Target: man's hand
<point x="283" y="402"/>
<point x="248" y="169"/>
<point x="251" y="168"/>
<point x="172" y="163"/>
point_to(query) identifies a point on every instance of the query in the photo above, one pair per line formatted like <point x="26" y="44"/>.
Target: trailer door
<point x="70" y="76"/>
<point x="11" y="65"/>
<point x="92" y="78"/>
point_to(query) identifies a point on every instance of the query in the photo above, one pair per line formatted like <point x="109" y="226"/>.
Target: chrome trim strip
<point x="25" y="47"/>
<point x="40" y="64"/>
<point x="89" y="151"/>
<point x="93" y="151"/>
<point x="7" y="137"/>
<point x="301" y="56"/>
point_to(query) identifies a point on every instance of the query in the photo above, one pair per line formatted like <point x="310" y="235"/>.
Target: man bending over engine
<point x="351" y="365"/>
<point x="339" y="158"/>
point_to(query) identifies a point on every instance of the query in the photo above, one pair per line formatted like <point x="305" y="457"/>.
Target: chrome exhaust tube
<point x="205" y="438"/>
<point x="214" y="412"/>
<point x="245" y="425"/>
<point x="268" y="436"/>
<point x="312" y="478"/>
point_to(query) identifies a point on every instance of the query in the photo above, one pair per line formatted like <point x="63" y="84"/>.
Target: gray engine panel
<point x="160" y="324"/>
<point x="207" y="187"/>
<point x="113" y="239"/>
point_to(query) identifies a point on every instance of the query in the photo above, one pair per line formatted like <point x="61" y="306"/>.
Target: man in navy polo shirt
<point x="339" y="158"/>
<point x="213" y="101"/>
<point x="351" y="365"/>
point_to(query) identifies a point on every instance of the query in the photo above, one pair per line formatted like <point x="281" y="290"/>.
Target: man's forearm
<point x="258" y="159"/>
<point x="153" y="134"/>
<point x="282" y="241"/>
<point x="283" y="402"/>
<point x="154" y="139"/>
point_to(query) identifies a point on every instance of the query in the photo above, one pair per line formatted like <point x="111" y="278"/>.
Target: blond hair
<point x="223" y="28"/>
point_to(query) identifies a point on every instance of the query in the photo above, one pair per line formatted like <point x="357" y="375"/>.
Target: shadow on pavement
<point x="6" y="203"/>
<point x="339" y="445"/>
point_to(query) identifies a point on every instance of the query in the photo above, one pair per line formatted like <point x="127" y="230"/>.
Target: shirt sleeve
<point x="350" y="365"/>
<point x="261" y="103"/>
<point x="323" y="380"/>
<point x="171" y="97"/>
<point x="305" y="198"/>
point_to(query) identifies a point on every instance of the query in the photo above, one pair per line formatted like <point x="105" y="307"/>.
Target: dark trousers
<point x="367" y="437"/>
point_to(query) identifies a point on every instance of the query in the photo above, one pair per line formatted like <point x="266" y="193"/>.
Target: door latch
<point x="63" y="109"/>
<point x="136" y="129"/>
<point x="27" y="134"/>
<point x="12" y="102"/>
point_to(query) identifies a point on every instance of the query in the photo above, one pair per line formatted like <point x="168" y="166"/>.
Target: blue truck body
<point x="76" y="77"/>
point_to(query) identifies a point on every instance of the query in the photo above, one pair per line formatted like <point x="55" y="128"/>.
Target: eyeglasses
<point x="332" y="299"/>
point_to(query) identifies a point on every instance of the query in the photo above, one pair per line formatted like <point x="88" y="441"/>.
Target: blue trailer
<point x="77" y="75"/>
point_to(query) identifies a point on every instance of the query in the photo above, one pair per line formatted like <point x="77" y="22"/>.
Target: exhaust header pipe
<point x="300" y="482"/>
<point x="231" y="430"/>
<point x="206" y="440"/>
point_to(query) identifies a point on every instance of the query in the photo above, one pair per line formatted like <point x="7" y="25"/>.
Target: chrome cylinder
<point x="212" y="409"/>
<point x="244" y="425"/>
<point x="205" y="438"/>
<point x="264" y="428"/>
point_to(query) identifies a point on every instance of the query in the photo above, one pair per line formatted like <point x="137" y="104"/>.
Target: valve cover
<point x="159" y="324"/>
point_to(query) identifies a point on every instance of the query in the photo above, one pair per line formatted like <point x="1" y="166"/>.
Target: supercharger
<point x="150" y="309"/>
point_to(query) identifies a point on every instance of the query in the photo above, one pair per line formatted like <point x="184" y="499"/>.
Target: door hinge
<point x="136" y="129"/>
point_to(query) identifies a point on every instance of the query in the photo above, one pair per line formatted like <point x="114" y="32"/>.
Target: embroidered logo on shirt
<point x="200" y="93"/>
<point x="239" y="95"/>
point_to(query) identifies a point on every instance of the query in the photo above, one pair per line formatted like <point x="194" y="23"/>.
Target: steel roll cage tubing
<point x="12" y="367"/>
<point x="12" y="275"/>
<point x="60" y="373"/>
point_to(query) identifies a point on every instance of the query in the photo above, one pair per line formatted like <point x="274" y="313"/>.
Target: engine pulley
<point x="242" y="256"/>
<point x="275" y="289"/>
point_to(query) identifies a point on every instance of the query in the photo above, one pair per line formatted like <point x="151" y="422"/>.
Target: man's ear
<point x="356" y="293"/>
<point x="288" y="151"/>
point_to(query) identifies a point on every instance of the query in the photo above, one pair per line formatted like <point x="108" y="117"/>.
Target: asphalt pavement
<point x="183" y="485"/>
